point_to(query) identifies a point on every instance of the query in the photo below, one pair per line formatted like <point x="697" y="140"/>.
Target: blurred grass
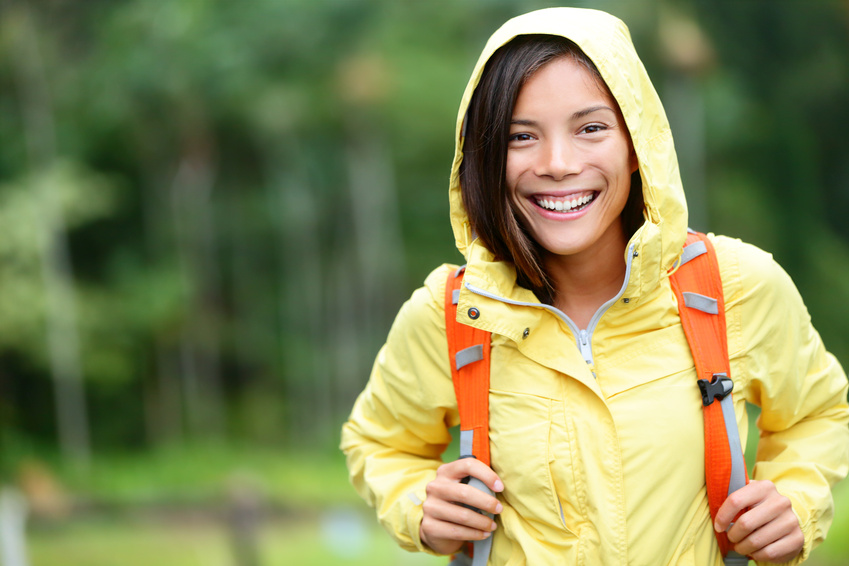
<point x="204" y="473"/>
<point x="169" y="509"/>
<point x="145" y="543"/>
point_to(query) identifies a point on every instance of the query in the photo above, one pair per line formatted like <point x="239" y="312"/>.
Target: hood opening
<point x="656" y="200"/>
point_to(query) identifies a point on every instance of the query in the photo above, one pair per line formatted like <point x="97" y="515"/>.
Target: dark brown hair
<point x="492" y="213"/>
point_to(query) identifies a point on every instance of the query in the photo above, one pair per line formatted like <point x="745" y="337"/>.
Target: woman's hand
<point x="446" y="524"/>
<point x="769" y="531"/>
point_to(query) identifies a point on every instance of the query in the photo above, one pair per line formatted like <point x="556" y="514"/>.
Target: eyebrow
<point x="577" y="115"/>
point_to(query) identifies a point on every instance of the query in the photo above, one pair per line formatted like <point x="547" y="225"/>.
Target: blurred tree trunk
<point x="13" y="518"/>
<point x="365" y="305"/>
<point x="57" y="271"/>
<point x="163" y="399"/>
<point x="685" y="106"/>
<point x="306" y="345"/>
<point x="689" y="54"/>
<point x="193" y="217"/>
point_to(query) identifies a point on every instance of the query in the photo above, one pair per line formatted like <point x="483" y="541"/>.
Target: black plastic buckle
<point x="718" y="388"/>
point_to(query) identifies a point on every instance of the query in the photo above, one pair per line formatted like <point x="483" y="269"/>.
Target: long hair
<point x="492" y="212"/>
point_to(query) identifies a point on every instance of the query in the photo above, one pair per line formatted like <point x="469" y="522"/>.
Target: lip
<point x="559" y="215"/>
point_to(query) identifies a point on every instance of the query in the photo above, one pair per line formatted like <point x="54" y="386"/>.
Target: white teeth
<point x="567" y="205"/>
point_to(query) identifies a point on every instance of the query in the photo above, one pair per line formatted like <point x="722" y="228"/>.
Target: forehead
<point x="561" y="81"/>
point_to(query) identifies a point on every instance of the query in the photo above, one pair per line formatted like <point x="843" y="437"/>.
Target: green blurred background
<point x="210" y="212"/>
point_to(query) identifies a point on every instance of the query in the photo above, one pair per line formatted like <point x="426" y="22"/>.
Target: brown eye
<point x="593" y="128"/>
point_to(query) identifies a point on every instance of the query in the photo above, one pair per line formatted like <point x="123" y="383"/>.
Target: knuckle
<point x="770" y="553"/>
<point x="744" y="523"/>
<point x="456" y="532"/>
<point x="733" y="500"/>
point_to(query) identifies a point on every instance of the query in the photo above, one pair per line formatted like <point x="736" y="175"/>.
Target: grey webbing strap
<point x="738" y="465"/>
<point x="467" y="439"/>
<point x="692" y="251"/>
<point x="482" y="550"/>
<point x="701" y="302"/>
<point x="468" y="355"/>
<point x="455" y="296"/>
<point x="482" y="547"/>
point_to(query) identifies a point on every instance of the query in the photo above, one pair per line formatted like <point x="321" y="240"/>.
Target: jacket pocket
<point x="529" y="448"/>
<point x="566" y="481"/>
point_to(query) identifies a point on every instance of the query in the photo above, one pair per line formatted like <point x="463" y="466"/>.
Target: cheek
<point x="511" y="171"/>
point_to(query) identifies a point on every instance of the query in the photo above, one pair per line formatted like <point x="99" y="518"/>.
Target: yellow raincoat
<point x="597" y="433"/>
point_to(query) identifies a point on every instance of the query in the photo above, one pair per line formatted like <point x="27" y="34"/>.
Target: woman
<point x="567" y="205"/>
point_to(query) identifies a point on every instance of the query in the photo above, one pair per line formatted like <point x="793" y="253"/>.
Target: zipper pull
<point x="584" y="338"/>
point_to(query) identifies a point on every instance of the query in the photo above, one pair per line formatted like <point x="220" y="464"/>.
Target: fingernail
<point x="499" y="508"/>
<point x="493" y="526"/>
<point x="716" y="527"/>
<point x="498" y="486"/>
<point x="487" y="535"/>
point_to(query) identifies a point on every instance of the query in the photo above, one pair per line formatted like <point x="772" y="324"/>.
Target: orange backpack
<point x="697" y="285"/>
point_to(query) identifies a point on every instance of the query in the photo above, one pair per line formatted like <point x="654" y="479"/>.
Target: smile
<point x="565" y="204"/>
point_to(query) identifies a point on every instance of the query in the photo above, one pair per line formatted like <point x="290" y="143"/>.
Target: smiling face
<point x="569" y="162"/>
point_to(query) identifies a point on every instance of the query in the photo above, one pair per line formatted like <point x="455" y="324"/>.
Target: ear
<point x="633" y="161"/>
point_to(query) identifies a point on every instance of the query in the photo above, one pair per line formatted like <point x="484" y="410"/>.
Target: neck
<point x="584" y="282"/>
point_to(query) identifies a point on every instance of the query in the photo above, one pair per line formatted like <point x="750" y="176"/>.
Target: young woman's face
<point x="569" y="161"/>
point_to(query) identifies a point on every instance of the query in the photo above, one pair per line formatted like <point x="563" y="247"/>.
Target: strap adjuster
<point x="718" y="388"/>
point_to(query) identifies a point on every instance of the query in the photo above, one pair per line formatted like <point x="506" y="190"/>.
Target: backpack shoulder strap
<point x="697" y="286"/>
<point x="468" y="351"/>
<point x="468" y="354"/>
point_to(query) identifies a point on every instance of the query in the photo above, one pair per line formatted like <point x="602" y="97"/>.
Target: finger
<point x="436" y="532"/>
<point x="748" y="496"/>
<point x="770" y="510"/>
<point x="448" y="512"/>
<point x="782" y="550"/>
<point x="772" y="531"/>
<point x="456" y="492"/>
<point x="459" y="469"/>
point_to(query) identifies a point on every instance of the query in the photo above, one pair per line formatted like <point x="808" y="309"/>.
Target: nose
<point x="558" y="159"/>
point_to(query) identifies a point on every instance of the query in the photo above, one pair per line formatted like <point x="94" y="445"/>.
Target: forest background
<point x="210" y="212"/>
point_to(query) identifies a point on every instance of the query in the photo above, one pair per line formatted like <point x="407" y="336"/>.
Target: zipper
<point x="585" y="346"/>
<point x="583" y="337"/>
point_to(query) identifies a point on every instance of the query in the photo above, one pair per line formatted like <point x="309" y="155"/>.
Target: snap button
<point x="626" y="300"/>
<point x="474" y="313"/>
<point x="526" y="333"/>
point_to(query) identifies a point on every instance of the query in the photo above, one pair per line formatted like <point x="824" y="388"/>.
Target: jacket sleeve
<point x="801" y="389"/>
<point x="399" y="425"/>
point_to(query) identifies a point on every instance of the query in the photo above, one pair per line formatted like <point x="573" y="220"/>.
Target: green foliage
<point x="249" y="192"/>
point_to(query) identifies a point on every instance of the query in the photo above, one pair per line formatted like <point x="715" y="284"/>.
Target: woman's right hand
<point x="446" y="524"/>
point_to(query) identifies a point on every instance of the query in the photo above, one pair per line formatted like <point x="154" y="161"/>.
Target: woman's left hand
<point x="769" y="531"/>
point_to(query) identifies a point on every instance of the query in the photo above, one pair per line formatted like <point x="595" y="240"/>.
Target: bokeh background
<point x="210" y="212"/>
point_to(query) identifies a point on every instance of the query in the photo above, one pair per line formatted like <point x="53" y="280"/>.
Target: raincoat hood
<point x="607" y="42"/>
